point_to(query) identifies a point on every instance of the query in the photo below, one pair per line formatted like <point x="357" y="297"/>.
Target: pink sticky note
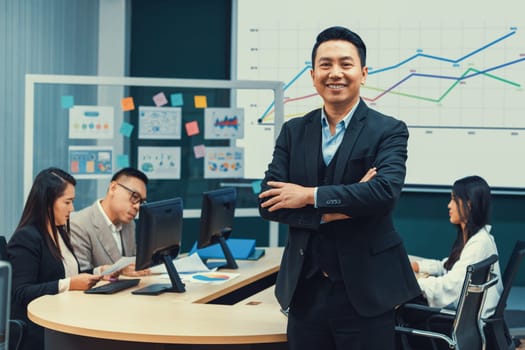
<point x="192" y="128"/>
<point x="200" y="101"/>
<point x="199" y="151"/>
<point x="160" y="99"/>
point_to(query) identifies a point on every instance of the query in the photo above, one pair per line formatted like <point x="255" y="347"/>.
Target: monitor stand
<point x="230" y="261"/>
<point x="176" y="285"/>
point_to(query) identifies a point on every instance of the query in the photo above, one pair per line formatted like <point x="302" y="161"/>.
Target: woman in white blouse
<point x="469" y="210"/>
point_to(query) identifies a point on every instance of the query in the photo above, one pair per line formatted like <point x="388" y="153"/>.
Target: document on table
<point x="206" y="277"/>
<point x="192" y="269"/>
<point x="119" y="265"/>
<point x="185" y="265"/>
<point x="212" y="277"/>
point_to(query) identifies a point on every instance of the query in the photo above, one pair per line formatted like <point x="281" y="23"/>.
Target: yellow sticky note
<point x="201" y="102"/>
<point x="127" y="104"/>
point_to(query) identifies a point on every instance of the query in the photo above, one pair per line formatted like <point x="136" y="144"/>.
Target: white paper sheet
<point x="119" y="264"/>
<point x="185" y="265"/>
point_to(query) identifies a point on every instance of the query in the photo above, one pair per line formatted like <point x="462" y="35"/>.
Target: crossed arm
<point x="286" y="195"/>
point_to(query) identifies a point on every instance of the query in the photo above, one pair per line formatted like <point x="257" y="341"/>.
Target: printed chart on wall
<point x="454" y="72"/>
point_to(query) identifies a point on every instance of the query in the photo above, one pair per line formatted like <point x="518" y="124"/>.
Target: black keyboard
<point x="113" y="287"/>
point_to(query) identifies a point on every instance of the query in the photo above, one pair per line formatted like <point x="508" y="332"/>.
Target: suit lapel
<point x="349" y="140"/>
<point x="312" y="140"/>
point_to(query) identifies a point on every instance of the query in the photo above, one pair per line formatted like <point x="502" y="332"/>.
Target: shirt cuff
<point x="97" y="270"/>
<point x="315" y="203"/>
<point x="63" y="285"/>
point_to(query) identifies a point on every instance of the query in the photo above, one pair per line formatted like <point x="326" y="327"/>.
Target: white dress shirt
<point x="115" y="229"/>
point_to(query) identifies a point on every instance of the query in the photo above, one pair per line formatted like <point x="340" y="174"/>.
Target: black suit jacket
<point x="373" y="260"/>
<point x="35" y="273"/>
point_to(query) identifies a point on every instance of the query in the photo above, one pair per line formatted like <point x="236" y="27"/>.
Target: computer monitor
<point x="218" y="209"/>
<point x="158" y="239"/>
<point x="5" y="302"/>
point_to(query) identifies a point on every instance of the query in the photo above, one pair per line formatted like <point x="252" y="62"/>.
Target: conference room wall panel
<point x="38" y="37"/>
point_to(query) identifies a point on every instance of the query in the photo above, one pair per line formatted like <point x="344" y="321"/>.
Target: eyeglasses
<point x="135" y="196"/>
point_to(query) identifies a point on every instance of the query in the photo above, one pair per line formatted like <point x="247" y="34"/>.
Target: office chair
<point x="466" y="332"/>
<point x="15" y="329"/>
<point x="496" y="329"/>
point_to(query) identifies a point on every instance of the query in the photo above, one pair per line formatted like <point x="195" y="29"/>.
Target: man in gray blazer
<point x="105" y="231"/>
<point x="344" y="267"/>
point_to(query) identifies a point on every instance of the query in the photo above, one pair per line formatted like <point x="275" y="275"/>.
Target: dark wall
<point x="192" y="40"/>
<point x="181" y="39"/>
<point x="186" y="40"/>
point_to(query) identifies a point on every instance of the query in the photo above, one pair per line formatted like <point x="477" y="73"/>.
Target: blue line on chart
<point x="444" y="58"/>
<point x="286" y="86"/>
<point x="439" y="58"/>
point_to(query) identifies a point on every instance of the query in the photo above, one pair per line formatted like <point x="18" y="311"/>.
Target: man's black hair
<point x="340" y="33"/>
<point x="132" y="172"/>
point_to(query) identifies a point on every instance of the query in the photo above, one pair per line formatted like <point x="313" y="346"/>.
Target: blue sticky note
<point x="122" y="161"/>
<point x="126" y="129"/>
<point x="176" y="100"/>
<point x="256" y="186"/>
<point x="67" y="101"/>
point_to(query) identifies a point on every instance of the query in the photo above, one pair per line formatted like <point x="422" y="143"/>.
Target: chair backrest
<point x="510" y="272"/>
<point x="496" y="329"/>
<point x="467" y="329"/>
<point x="17" y="329"/>
<point x="3" y="248"/>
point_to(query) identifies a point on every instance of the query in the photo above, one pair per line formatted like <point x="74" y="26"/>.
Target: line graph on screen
<point x="457" y="83"/>
<point x="402" y="86"/>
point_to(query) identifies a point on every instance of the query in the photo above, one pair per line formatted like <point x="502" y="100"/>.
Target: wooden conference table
<point x="239" y="314"/>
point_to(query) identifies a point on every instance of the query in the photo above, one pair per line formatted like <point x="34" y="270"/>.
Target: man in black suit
<point x="344" y="268"/>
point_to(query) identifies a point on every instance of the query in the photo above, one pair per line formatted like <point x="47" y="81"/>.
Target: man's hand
<point x="369" y="175"/>
<point x="334" y="216"/>
<point x="130" y="271"/>
<point x="286" y="195"/>
<point x="111" y="276"/>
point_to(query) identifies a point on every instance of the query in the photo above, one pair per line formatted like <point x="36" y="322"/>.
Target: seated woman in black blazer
<point x="40" y="250"/>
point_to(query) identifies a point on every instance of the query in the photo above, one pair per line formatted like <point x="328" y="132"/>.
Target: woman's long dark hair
<point x="49" y="185"/>
<point x="472" y="196"/>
